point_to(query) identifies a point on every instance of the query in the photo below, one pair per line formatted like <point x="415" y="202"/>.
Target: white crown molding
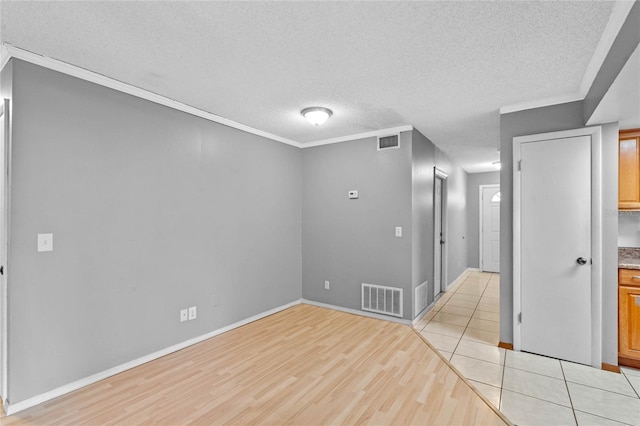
<point x="70" y="387"/>
<point x="9" y="52"/>
<point x="619" y="14"/>
<point x="382" y="132"/>
<point x="4" y="56"/>
<point x="556" y="100"/>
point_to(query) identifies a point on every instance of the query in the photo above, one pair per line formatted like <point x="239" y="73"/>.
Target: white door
<point x="555" y="248"/>
<point x="437" y="264"/>
<point x="439" y="227"/>
<point x="490" y="228"/>
<point x="4" y="143"/>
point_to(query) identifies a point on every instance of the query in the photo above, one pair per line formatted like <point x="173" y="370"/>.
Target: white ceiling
<point x="444" y="67"/>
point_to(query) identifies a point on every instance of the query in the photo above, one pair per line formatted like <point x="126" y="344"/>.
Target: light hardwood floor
<point x="305" y="365"/>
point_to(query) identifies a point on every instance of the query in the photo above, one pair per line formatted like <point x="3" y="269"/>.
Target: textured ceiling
<point x="443" y="67"/>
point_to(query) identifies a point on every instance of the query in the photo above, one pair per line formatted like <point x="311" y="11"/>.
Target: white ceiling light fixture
<point x="316" y="115"/>
<point x="496" y="164"/>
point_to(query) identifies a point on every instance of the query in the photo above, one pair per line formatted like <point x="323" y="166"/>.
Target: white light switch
<point x="398" y="231"/>
<point x="353" y="194"/>
<point x="45" y="242"/>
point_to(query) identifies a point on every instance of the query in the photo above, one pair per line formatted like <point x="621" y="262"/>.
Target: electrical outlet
<point x="326" y="285"/>
<point x="398" y="231"/>
<point x="192" y="313"/>
<point x="184" y="315"/>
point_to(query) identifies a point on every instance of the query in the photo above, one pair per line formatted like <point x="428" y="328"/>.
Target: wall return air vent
<point x="382" y="300"/>
<point x="388" y="142"/>
<point x="420" y="298"/>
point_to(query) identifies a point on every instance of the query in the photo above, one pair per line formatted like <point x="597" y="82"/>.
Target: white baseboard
<point x="356" y="312"/>
<point x="10" y="408"/>
<point x="454" y="283"/>
<point x="461" y="278"/>
<point x="424" y="312"/>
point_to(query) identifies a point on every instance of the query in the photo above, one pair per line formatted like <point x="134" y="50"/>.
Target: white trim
<point x="356" y="312"/>
<point x="102" y="80"/>
<point x="374" y="133"/>
<point x="596" y="234"/>
<point x="444" y="261"/>
<point x="440" y="174"/>
<point x="539" y="103"/>
<point x="425" y="311"/>
<point x="4" y="259"/>
<point x="617" y="18"/>
<point x="4" y="56"/>
<point x="480" y="208"/>
<point x="8" y="51"/>
<point x="70" y="387"/>
<point x="461" y="277"/>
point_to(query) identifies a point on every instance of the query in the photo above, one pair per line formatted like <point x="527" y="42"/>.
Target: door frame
<point x="481" y="206"/>
<point x="439" y="174"/>
<point x="595" y="133"/>
<point x="5" y="120"/>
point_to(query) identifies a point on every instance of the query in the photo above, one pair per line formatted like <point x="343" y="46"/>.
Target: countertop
<point x="628" y="258"/>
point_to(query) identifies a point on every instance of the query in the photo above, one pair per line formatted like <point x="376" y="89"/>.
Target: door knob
<point x="581" y="261"/>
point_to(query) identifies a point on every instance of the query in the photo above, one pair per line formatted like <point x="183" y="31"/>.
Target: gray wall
<point x="548" y="119"/>
<point x="423" y="162"/>
<point x="474" y="180"/>
<point x="349" y="242"/>
<point x="539" y="120"/>
<point x="152" y="210"/>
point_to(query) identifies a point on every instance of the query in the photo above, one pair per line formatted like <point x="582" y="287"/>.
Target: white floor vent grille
<point x="420" y="298"/>
<point x="382" y="300"/>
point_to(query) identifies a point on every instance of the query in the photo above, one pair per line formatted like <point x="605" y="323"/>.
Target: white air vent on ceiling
<point x="420" y="298"/>
<point x="388" y="142"/>
<point x="382" y="300"/>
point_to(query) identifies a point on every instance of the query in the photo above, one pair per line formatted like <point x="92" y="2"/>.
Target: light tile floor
<point x="529" y="389"/>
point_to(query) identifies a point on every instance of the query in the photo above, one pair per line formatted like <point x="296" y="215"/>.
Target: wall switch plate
<point x="326" y="285"/>
<point x="192" y="313"/>
<point x="184" y="315"/>
<point x="353" y="194"/>
<point x="45" y="242"/>
<point x="398" y="231"/>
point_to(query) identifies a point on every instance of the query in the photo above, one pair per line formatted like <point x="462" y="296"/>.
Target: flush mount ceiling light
<point x="496" y="164"/>
<point x="316" y="115"/>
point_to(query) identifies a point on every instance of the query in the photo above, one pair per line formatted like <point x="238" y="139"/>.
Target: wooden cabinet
<point x="629" y="317"/>
<point x="629" y="170"/>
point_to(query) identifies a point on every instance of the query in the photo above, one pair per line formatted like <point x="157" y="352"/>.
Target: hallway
<point x="529" y="389"/>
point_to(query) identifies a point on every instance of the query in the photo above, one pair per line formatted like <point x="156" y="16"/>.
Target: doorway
<point x="489" y="228"/>
<point x="439" y="231"/>
<point x="557" y="238"/>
